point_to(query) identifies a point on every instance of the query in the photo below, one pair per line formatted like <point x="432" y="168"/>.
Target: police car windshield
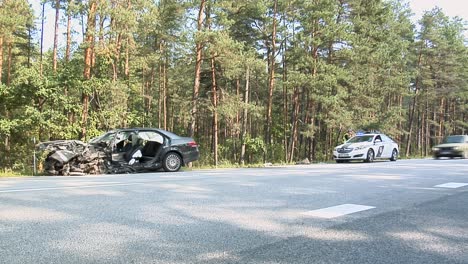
<point x="359" y="139"/>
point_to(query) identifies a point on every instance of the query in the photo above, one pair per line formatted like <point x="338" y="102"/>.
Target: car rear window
<point x="169" y="134"/>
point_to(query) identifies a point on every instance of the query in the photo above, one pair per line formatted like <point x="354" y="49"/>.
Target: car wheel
<point x="394" y="156"/>
<point x="339" y="161"/>
<point x="172" y="162"/>
<point x="370" y="156"/>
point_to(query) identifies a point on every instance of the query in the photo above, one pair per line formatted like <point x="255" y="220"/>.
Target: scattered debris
<point x="303" y="162"/>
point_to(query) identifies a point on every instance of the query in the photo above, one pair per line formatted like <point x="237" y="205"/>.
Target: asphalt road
<point x="409" y="211"/>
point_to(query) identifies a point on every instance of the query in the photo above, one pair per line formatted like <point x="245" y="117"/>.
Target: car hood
<point x="65" y="150"/>
<point x="354" y="145"/>
<point x="448" y="145"/>
<point x="61" y="144"/>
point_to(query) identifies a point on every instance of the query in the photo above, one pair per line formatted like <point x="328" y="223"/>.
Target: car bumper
<point x="353" y="155"/>
<point x="191" y="156"/>
<point x="448" y="153"/>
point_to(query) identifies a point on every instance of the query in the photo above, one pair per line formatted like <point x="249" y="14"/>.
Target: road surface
<point x="409" y="211"/>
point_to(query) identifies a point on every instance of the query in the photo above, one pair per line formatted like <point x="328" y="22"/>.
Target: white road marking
<point x="69" y="187"/>
<point x="452" y="185"/>
<point x="336" y="211"/>
<point x="104" y="184"/>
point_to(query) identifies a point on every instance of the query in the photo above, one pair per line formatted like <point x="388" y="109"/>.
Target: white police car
<point x="367" y="147"/>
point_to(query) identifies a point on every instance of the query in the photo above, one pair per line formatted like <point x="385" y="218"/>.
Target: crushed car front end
<point x="73" y="157"/>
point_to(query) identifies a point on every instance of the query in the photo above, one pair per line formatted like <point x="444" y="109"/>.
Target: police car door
<point x="388" y="146"/>
<point x="379" y="147"/>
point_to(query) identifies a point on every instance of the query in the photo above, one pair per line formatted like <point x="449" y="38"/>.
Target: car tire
<point x="172" y="162"/>
<point x="370" y="156"/>
<point x="394" y="156"/>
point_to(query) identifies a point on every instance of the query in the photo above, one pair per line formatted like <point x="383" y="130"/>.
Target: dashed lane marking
<point x="452" y="185"/>
<point x="68" y="187"/>
<point x="337" y="211"/>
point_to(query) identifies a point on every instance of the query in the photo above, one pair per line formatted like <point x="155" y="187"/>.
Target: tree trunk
<point x="419" y="131"/>
<point x="88" y="63"/>
<point x="285" y="106"/>
<point x="198" y="63"/>
<point x="441" y="118"/>
<point x="295" y="118"/>
<point x="400" y="113"/>
<point x="42" y="39"/>
<point x="215" y="112"/>
<point x="244" y="116"/>
<point x="150" y="97"/>
<point x="413" y="108"/>
<point x="127" y="60"/>
<point x="10" y="60"/>
<point x="69" y="26"/>
<point x="1" y="58"/>
<point x="237" y="111"/>
<point x="160" y="84"/>
<point x="411" y="121"/>
<point x="427" y="131"/>
<point x="56" y="28"/>
<point x="7" y="142"/>
<point x="164" y="89"/>
<point x="116" y="60"/>
<point x="271" y="83"/>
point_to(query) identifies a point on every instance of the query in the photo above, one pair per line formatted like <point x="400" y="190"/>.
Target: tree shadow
<point x="190" y="221"/>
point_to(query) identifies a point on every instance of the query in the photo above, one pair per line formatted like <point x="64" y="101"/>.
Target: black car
<point x="120" y="151"/>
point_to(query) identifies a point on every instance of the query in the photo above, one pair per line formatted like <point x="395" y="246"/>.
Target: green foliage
<point x="339" y="64"/>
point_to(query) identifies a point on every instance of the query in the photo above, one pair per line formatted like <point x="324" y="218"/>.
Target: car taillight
<point x="192" y="144"/>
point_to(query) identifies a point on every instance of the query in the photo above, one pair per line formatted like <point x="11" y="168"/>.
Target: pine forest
<point x="252" y="81"/>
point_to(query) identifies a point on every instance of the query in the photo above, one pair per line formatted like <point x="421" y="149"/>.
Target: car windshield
<point x="105" y="138"/>
<point x="454" y="139"/>
<point x="359" y="139"/>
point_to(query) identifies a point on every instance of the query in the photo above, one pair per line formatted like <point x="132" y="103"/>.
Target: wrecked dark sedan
<point x="120" y="151"/>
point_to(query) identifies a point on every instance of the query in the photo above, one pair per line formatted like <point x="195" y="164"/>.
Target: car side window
<point x="152" y="136"/>
<point x="378" y="139"/>
<point x="123" y="141"/>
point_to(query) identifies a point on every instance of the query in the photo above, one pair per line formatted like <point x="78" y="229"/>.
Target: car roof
<point x="162" y="131"/>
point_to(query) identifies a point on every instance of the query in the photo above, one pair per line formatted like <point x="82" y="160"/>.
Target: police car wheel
<point x="394" y="156"/>
<point x="370" y="156"/>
